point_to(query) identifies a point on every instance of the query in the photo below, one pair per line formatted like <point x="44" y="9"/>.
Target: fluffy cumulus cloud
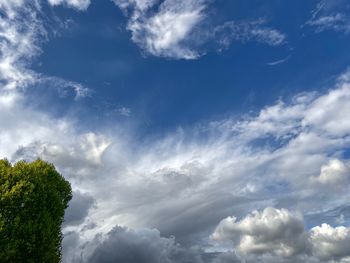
<point x="271" y="231"/>
<point x="279" y="234"/>
<point x="331" y="244"/>
<point x="334" y="173"/>
<point x="181" y="29"/>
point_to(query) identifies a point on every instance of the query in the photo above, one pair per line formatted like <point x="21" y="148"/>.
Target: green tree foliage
<point x="33" y="197"/>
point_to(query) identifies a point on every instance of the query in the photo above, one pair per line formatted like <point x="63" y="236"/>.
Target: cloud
<point x="335" y="173"/>
<point x="336" y="22"/>
<point x="78" y="208"/>
<point x="265" y="159"/>
<point x="181" y="29"/>
<point x="78" y="4"/>
<point x="21" y="32"/>
<point x="329" y="16"/>
<point x="248" y="31"/>
<point x="331" y="244"/>
<point x="145" y="245"/>
<point x="280" y="233"/>
<point x="165" y="32"/>
<point x="271" y="231"/>
<point x="228" y="166"/>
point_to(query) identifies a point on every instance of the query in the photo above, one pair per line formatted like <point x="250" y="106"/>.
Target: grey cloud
<point x="78" y="208"/>
<point x="141" y="246"/>
<point x="227" y="257"/>
<point x="69" y="245"/>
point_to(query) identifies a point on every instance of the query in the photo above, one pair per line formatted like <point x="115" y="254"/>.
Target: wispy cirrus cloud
<point x="248" y="31"/>
<point x="22" y="33"/>
<point x="330" y="16"/>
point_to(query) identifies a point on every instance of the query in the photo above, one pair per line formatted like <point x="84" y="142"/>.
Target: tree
<point x="33" y="197"/>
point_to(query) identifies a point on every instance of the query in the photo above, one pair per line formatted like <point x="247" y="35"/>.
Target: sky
<point x="191" y="131"/>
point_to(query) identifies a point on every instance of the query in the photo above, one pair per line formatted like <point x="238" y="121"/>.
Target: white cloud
<point x="331" y="244"/>
<point x="141" y="5"/>
<point x="257" y="161"/>
<point x="248" y="31"/>
<point x="329" y="113"/>
<point x="165" y="32"/>
<point x="280" y="233"/>
<point x="335" y="173"/>
<point x="181" y="29"/>
<point x="21" y="32"/>
<point x="330" y="16"/>
<point x="270" y="231"/>
<point x="78" y="4"/>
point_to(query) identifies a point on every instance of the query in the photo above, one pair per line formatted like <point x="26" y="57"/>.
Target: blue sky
<point x="191" y="131"/>
<point x="167" y="92"/>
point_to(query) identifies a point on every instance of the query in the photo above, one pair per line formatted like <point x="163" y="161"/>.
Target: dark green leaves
<point x="33" y="197"/>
